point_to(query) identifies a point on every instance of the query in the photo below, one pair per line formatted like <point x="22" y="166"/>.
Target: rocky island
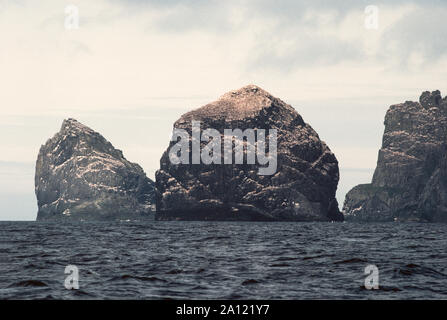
<point x="410" y="180"/>
<point x="301" y="189"/>
<point x="81" y="176"/>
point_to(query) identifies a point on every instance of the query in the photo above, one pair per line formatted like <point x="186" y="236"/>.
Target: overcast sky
<point x="133" y="67"/>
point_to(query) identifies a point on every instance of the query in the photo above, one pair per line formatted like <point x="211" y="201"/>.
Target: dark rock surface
<point x="302" y="189"/>
<point x="81" y="176"/>
<point x="410" y="181"/>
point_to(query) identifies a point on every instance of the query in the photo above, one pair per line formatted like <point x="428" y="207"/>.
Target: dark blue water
<point x="213" y="260"/>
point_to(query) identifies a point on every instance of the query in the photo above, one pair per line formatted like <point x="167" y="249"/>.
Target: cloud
<point x="125" y="53"/>
<point x="421" y="32"/>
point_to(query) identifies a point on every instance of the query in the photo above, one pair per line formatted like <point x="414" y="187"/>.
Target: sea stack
<point x="81" y="176"/>
<point x="302" y="188"/>
<point x="410" y="180"/>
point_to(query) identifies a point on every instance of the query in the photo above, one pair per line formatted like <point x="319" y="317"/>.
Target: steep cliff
<point x="302" y="188"/>
<point x="410" y="180"/>
<point x="81" y="176"/>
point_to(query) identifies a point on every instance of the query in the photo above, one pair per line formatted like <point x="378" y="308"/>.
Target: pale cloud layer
<point x="125" y="54"/>
<point x="133" y="67"/>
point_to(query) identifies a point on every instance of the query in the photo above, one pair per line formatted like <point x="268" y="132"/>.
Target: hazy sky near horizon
<point x="133" y="67"/>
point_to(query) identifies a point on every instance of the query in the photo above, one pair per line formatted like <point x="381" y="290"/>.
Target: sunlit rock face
<point x="301" y="188"/>
<point x="410" y="181"/>
<point x="81" y="176"/>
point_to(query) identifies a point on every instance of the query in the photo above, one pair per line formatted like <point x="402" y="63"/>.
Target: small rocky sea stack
<point x="302" y="188"/>
<point x="81" y="176"/>
<point x="410" y="180"/>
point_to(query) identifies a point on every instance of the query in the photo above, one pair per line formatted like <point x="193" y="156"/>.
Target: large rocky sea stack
<point x="410" y="181"/>
<point x="81" y="176"/>
<point x="301" y="189"/>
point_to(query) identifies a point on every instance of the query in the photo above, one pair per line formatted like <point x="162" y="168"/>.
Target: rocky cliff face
<point x="410" y="181"/>
<point x="301" y="189"/>
<point x="81" y="176"/>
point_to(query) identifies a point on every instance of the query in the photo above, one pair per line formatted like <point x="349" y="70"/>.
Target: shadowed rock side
<point x="81" y="176"/>
<point x="410" y="181"/>
<point x="302" y="189"/>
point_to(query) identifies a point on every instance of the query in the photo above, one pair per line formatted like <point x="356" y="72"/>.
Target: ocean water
<point x="222" y="260"/>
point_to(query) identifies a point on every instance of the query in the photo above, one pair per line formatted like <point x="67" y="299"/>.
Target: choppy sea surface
<point x="222" y="260"/>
